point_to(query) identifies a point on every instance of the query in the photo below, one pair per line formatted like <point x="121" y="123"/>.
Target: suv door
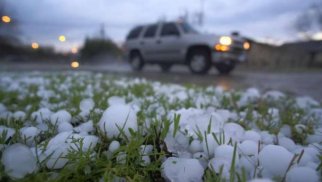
<point x="169" y="42"/>
<point x="148" y="43"/>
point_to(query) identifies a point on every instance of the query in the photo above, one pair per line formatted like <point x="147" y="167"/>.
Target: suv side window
<point x="150" y="32"/>
<point x="134" y="33"/>
<point x="169" y="29"/>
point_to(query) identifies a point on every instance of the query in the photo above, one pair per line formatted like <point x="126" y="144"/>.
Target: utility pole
<point x="102" y="31"/>
<point x="201" y="13"/>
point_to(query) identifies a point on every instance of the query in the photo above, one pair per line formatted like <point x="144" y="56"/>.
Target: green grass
<point x="69" y="89"/>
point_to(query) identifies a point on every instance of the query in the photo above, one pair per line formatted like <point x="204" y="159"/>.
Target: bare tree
<point x="310" y="22"/>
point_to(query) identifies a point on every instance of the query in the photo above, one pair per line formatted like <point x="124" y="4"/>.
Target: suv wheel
<point x="225" y="68"/>
<point x="199" y="61"/>
<point x="136" y="61"/>
<point x="165" y="67"/>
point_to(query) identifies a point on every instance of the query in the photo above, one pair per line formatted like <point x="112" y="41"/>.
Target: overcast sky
<point x="44" y="20"/>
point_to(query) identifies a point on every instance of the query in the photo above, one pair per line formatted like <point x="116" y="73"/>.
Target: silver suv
<point x="168" y="43"/>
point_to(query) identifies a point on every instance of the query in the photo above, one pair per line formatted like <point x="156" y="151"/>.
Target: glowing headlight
<point x="225" y="40"/>
<point x="246" y="45"/>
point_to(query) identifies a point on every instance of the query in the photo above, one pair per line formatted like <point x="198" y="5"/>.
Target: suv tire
<point x="225" y="68"/>
<point x="199" y="61"/>
<point x="165" y="67"/>
<point x="136" y="61"/>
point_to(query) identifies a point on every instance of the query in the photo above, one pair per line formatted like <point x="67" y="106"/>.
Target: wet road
<point x="298" y="83"/>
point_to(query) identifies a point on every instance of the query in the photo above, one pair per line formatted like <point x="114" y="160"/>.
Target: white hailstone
<point x="84" y="115"/>
<point x="197" y="120"/>
<point x="41" y="115"/>
<point x="60" y="116"/>
<point x="226" y="152"/>
<point x="316" y="137"/>
<point x="59" y="146"/>
<point x="234" y="130"/>
<point x="218" y="164"/>
<point x="305" y="158"/>
<point x="56" y="156"/>
<point x="114" y="145"/>
<point x="306" y="102"/>
<point x="300" y="174"/>
<point x="18" y="161"/>
<point x="9" y="132"/>
<point x="313" y="152"/>
<point x="261" y="180"/>
<point x="6" y="115"/>
<point x="312" y="165"/>
<point x="19" y="115"/>
<point x="184" y="154"/>
<point x="2" y="108"/>
<point x="85" y="127"/>
<point x="251" y="135"/>
<point x="195" y="146"/>
<point x="145" y="160"/>
<point x="274" y="115"/>
<point x="182" y="170"/>
<point x="178" y="143"/>
<point x="64" y="126"/>
<point x="275" y="160"/>
<point x="273" y="95"/>
<point x="89" y="142"/>
<point x="287" y="143"/>
<point x="200" y="156"/>
<point x="250" y="95"/>
<point x="209" y="144"/>
<point x="182" y="140"/>
<point x="115" y="100"/>
<point x="248" y="148"/>
<point x="248" y="162"/>
<point x="116" y="118"/>
<point x="86" y="105"/>
<point x="146" y="149"/>
<point x="286" y="131"/>
<point x="121" y="158"/>
<point x="267" y="138"/>
<point x="28" y="134"/>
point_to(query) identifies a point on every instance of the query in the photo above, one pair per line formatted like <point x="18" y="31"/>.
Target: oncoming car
<point x="169" y="43"/>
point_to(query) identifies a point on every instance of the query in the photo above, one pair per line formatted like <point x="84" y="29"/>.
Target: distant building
<point x="313" y="49"/>
<point x="289" y="55"/>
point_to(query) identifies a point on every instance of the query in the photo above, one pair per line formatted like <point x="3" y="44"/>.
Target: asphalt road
<point x="299" y="83"/>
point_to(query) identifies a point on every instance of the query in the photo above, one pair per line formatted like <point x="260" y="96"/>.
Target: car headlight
<point x="225" y="40"/>
<point x="246" y="45"/>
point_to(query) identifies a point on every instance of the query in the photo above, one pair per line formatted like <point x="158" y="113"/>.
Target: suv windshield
<point x="134" y="33"/>
<point x="188" y="29"/>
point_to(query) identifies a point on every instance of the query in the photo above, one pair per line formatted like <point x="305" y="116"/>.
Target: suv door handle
<point x="142" y="42"/>
<point x="159" y="42"/>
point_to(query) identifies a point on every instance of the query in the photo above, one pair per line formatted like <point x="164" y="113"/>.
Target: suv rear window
<point x="134" y="33"/>
<point x="150" y="32"/>
<point x="169" y="29"/>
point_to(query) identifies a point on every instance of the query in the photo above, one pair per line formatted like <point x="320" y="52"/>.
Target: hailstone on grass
<point x="7" y="132"/>
<point x="19" y="115"/>
<point x="43" y="114"/>
<point x="300" y="174"/>
<point x="114" y="145"/>
<point x="28" y="134"/>
<point x="117" y="120"/>
<point x="182" y="170"/>
<point x="275" y="160"/>
<point x="18" y="161"/>
<point x="86" y="105"/>
<point x="60" y="116"/>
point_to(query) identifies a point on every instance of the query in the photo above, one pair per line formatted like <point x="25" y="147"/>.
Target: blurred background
<point x="283" y="33"/>
<point x="60" y="34"/>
